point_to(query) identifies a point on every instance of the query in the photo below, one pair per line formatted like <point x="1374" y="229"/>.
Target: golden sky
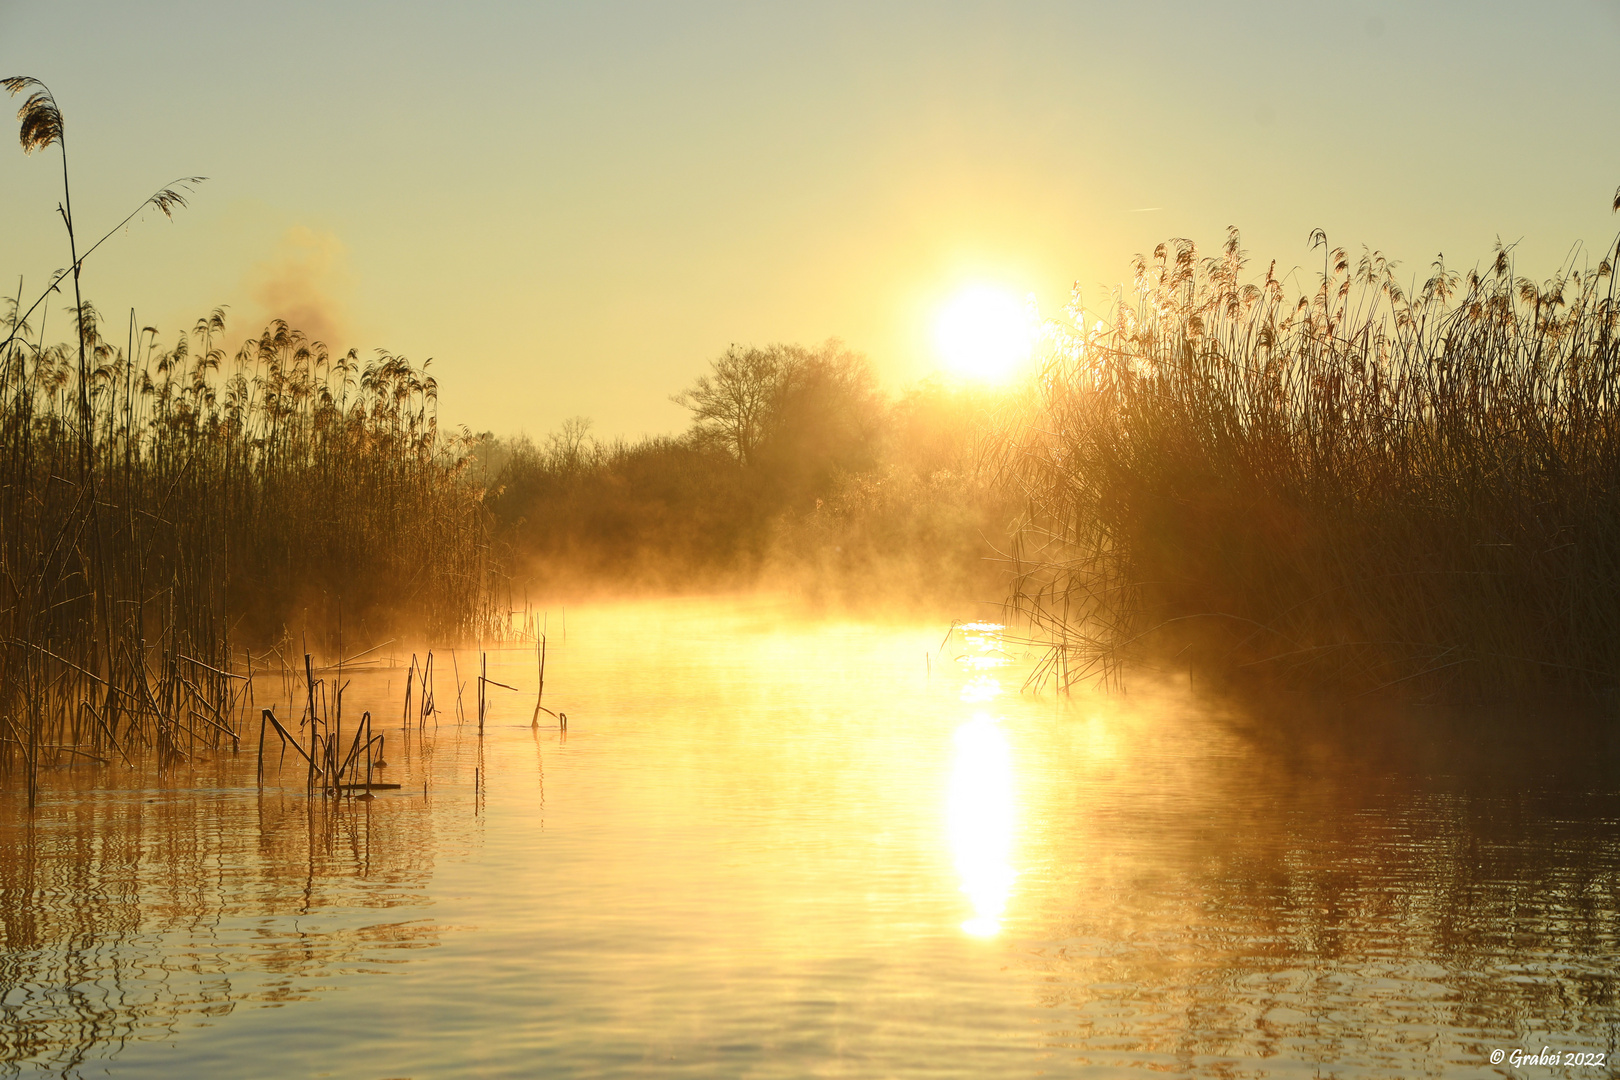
<point x="572" y="208"/>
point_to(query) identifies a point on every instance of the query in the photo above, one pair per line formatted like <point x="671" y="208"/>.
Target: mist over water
<point x="771" y="845"/>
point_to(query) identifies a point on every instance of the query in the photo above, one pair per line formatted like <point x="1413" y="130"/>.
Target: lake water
<point x="777" y="847"/>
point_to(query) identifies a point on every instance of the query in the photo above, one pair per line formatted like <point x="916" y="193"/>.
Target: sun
<point x="984" y="332"/>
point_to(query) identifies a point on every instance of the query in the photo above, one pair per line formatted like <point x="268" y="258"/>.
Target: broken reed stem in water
<point x="541" y="693"/>
<point x="410" y="684"/>
<point x="455" y="673"/>
<point x="484" y="682"/>
<point x="334" y="776"/>
<point x="427" y="708"/>
<point x="309" y="679"/>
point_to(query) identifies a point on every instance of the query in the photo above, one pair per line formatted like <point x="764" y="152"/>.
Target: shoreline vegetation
<point x="204" y="507"/>
<point x="188" y="514"/>
<point x="796" y="472"/>
<point x="158" y="506"/>
<point x="1365" y="489"/>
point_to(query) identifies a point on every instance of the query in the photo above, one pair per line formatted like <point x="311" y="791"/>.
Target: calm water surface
<point x="773" y="847"/>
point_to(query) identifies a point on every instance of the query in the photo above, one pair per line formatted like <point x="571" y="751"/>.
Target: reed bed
<point x="1362" y="485"/>
<point x="158" y="504"/>
<point x="191" y="509"/>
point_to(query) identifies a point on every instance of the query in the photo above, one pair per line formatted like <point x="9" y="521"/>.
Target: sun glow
<point x="984" y="333"/>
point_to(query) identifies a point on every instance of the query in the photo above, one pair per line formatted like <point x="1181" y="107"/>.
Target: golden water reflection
<point x="981" y="688"/>
<point x="981" y="804"/>
<point x="981" y="821"/>
<point x="751" y="856"/>
<point x="130" y="913"/>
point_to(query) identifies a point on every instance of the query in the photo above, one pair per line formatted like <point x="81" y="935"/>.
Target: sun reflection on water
<point x="985" y="649"/>
<point x="981" y="688"/>
<point x="981" y="820"/>
<point x="980" y="801"/>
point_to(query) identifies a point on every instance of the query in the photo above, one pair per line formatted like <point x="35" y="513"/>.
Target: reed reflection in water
<point x="132" y="911"/>
<point x="753" y="854"/>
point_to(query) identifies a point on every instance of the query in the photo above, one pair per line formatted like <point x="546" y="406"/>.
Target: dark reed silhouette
<point x="157" y="506"/>
<point x="1362" y="487"/>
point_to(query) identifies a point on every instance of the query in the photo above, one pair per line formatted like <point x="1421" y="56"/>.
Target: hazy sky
<point x="572" y="208"/>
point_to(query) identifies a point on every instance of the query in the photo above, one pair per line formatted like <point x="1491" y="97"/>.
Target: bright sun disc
<point x="984" y="333"/>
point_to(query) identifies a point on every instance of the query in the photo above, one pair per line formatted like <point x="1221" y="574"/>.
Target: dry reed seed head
<point x="170" y="199"/>
<point x="41" y="119"/>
